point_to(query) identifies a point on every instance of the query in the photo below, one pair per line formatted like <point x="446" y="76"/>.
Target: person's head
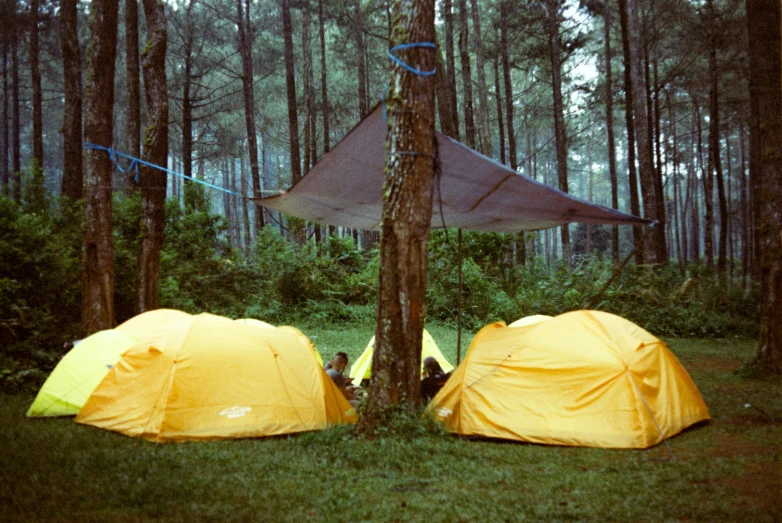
<point x="339" y="361"/>
<point x="431" y="366"/>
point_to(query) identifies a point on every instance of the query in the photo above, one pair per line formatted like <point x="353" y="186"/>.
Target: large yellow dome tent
<point x="530" y="320"/>
<point x="263" y="325"/>
<point x="209" y="377"/>
<point x="362" y="367"/>
<point x="150" y="321"/>
<point x="584" y="378"/>
<point x="78" y="373"/>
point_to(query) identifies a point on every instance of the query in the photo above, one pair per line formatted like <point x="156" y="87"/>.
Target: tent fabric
<point x="474" y="192"/>
<point x="530" y="320"/>
<point x="362" y="367"/>
<point x="209" y="377"/>
<point x="584" y="378"/>
<point x="78" y="373"/>
<point x="297" y="332"/>
<point x="150" y="321"/>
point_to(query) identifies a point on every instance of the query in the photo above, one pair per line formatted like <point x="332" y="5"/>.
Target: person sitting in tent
<point x="335" y="369"/>
<point x="434" y="378"/>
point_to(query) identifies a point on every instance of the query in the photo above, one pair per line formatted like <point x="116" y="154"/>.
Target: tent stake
<point x="459" y="305"/>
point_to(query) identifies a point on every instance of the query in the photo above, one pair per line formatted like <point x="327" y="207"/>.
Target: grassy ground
<point x="728" y="469"/>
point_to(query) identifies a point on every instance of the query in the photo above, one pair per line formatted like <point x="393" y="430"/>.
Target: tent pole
<point x="459" y="305"/>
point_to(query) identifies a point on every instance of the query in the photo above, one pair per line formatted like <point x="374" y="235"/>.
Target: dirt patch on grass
<point x="759" y="488"/>
<point x="714" y="364"/>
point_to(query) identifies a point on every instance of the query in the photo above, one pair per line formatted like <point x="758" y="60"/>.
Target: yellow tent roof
<point x="530" y="320"/>
<point x="79" y="372"/>
<point x="150" y="321"/>
<point x="209" y="377"/>
<point x="584" y="378"/>
<point x="297" y="332"/>
<point x="362" y="367"/>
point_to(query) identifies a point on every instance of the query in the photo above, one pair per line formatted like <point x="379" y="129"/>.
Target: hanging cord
<point x="405" y="65"/>
<point x="135" y="162"/>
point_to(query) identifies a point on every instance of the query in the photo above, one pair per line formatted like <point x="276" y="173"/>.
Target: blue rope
<point x="406" y="66"/>
<point x="136" y="161"/>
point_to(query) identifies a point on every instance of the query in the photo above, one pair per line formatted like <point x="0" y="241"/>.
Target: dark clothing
<point x="432" y="384"/>
<point x="335" y="376"/>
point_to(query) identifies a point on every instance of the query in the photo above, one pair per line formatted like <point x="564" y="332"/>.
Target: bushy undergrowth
<point x="281" y="281"/>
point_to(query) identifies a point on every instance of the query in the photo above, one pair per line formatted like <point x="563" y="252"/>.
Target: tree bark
<point x="764" y="19"/>
<point x="72" y="177"/>
<point x="309" y="134"/>
<point x="153" y="181"/>
<point x="449" y="124"/>
<point x="407" y="209"/>
<point x="363" y="106"/>
<point x="498" y="99"/>
<point x="714" y="142"/>
<point x="246" y="49"/>
<point x="35" y="77"/>
<point x="16" y="146"/>
<point x="450" y="61"/>
<point x="290" y="82"/>
<point x="635" y="201"/>
<point x="559" y="115"/>
<point x="191" y="201"/>
<point x="97" y="311"/>
<point x="484" y="134"/>
<point x="512" y="157"/>
<point x="464" y="55"/>
<point x="324" y="91"/>
<point x="5" y="173"/>
<point x="133" y="80"/>
<point x="708" y="192"/>
<point x="610" y="132"/>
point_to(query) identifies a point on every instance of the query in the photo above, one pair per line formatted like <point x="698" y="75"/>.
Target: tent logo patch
<point x="235" y="412"/>
<point x="443" y="412"/>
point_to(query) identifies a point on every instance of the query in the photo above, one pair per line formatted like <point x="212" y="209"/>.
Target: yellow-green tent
<point x="209" y="377"/>
<point x="583" y="378"/>
<point x="362" y="367"/>
<point x="79" y="372"/>
<point x="150" y="321"/>
<point x="530" y="320"/>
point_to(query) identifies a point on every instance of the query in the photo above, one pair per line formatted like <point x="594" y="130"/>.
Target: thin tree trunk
<point x="155" y="151"/>
<point x="764" y="19"/>
<point x="407" y="209"/>
<point x="483" y="97"/>
<point x="498" y="97"/>
<point x="245" y="207"/>
<point x="746" y="229"/>
<point x="133" y="80"/>
<point x="35" y="76"/>
<point x="692" y="190"/>
<point x="559" y="115"/>
<point x="635" y="201"/>
<point x="5" y="173"/>
<point x="191" y="201"/>
<point x="246" y="50"/>
<point x="323" y="88"/>
<point x="715" y="160"/>
<point x="16" y="146"/>
<point x="512" y="158"/>
<point x="290" y="82"/>
<point x="450" y="61"/>
<point x="610" y="132"/>
<point x="309" y="151"/>
<point x="464" y="55"/>
<point x="363" y="106"/>
<point x="72" y="177"/>
<point x="448" y="124"/>
<point x="708" y="194"/>
<point x="97" y="287"/>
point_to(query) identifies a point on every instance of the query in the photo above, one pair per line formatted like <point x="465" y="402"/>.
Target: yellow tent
<point x="150" y="321"/>
<point x="584" y="378"/>
<point x="530" y="320"/>
<point x="209" y="377"/>
<point x="362" y="367"/>
<point x="79" y="372"/>
<point x="297" y="332"/>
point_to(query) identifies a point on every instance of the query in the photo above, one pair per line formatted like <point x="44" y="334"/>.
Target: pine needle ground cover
<point x="728" y="469"/>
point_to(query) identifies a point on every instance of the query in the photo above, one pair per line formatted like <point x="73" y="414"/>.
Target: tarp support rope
<point x="135" y="162"/>
<point x="401" y="63"/>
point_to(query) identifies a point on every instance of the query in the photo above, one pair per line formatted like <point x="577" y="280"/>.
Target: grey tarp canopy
<point x="474" y="192"/>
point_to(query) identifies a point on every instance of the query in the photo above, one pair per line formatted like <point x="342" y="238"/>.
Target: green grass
<point x="728" y="469"/>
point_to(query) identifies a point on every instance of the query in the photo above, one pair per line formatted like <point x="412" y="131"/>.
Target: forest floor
<point x="729" y="469"/>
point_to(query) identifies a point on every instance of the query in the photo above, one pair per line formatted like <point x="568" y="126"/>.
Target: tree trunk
<point x="323" y="89"/>
<point x="692" y="191"/>
<point x="16" y="146"/>
<point x="247" y="236"/>
<point x="290" y="82"/>
<point x="309" y="150"/>
<point x="559" y="115"/>
<point x="498" y="98"/>
<point x="512" y="158"/>
<point x="35" y="77"/>
<point x="746" y="222"/>
<point x="97" y="287"/>
<point x="153" y="181"/>
<point x="449" y="124"/>
<point x="610" y="133"/>
<point x="133" y="81"/>
<point x="764" y="19"/>
<point x="246" y="50"/>
<point x="464" y="56"/>
<point x="72" y="177"/>
<point x="450" y="61"/>
<point x="191" y="201"/>
<point x="708" y="192"/>
<point x="5" y="173"/>
<point x="483" y="97"/>
<point x="635" y="201"/>
<point x="715" y="161"/>
<point x="363" y="106"/>
<point x="407" y="209"/>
